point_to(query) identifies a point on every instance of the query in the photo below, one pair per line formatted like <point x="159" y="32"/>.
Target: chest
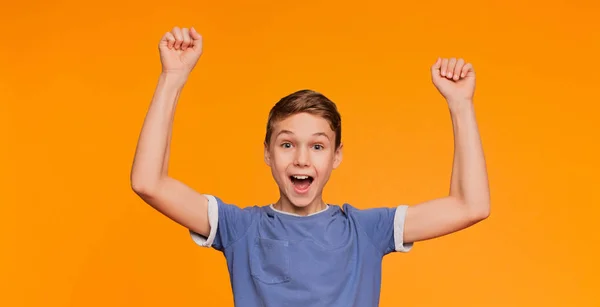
<point x="304" y="254"/>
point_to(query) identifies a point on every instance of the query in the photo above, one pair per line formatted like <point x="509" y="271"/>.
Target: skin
<point x="304" y="144"/>
<point x="468" y="200"/>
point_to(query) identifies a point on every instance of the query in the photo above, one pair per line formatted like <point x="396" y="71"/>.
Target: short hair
<point x="305" y="101"/>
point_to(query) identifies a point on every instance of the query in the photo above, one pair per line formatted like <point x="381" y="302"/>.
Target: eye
<point x="286" y="145"/>
<point x="318" y="146"/>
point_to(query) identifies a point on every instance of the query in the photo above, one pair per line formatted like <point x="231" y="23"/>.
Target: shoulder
<point x="346" y="207"/>
<point x="228" y="222"/>
<point x="362" y="215"/>
<point x="383" y="225"/>
<point x="371" y="220"/>
<point x="222" y="205"/>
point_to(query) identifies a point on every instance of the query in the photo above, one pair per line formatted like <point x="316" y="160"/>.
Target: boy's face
<point x="302" y="155"/>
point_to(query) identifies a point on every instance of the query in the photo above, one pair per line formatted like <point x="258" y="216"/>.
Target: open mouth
<point x="301" y="182"/>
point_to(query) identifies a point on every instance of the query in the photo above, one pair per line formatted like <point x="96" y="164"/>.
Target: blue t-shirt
<point x="329" y="258"/>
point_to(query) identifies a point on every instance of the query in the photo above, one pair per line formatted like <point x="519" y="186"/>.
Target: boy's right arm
<point x="179" y="49"/>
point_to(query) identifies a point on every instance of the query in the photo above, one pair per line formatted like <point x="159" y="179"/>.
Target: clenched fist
<point x="455" y="80"/>
<point x="180" y="50"/>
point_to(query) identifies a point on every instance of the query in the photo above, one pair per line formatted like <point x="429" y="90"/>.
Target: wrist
<point x="459" y="106"/>
<point x="177" y="79"/>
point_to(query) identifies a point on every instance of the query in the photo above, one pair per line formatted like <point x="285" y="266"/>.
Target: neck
<point x="285" y="205"/>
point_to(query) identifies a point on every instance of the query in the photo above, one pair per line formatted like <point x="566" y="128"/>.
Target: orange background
<point x="77" y="79"/>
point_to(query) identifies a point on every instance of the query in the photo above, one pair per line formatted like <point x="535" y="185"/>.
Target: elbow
<point x="475" y="210"/>
<point x="139" y="188"/>
<point x="480" y="212"/>
<point x="142" y="187"/>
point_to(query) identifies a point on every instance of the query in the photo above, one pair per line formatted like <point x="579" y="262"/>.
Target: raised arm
<point x="179" y="50"/>
<point x="468" y="201"/>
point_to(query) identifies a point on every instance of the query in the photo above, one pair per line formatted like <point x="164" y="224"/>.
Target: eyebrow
<point x="290" y="132"/>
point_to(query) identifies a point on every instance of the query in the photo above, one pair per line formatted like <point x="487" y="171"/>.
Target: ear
<point x="267" y="154"/>
<point x="337" y="159"/>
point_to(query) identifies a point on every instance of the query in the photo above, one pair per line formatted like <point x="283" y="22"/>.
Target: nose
<point x="301" y="159"/>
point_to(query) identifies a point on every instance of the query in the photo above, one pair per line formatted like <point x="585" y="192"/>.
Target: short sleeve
<point x="385" y="227"/>
<point x="227" y="223"/>
<point x="399" y="219"/>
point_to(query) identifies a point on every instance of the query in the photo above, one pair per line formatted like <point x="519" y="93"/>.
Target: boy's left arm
<point x="468" y="201"/>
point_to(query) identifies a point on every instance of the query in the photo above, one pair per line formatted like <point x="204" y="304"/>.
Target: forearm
<point x="165" y="167"/>
<point x="152" y="152"/>
<point x="469" y="181"/>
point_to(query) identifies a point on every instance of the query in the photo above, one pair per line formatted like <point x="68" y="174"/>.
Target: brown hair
<point x="306" y="101"/>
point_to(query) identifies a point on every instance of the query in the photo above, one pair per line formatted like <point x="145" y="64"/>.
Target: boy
<point x="301" y="251"/>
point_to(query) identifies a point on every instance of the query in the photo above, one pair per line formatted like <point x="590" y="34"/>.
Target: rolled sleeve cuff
<point x="399" y="219"/>
<point x="213" y="220"/>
